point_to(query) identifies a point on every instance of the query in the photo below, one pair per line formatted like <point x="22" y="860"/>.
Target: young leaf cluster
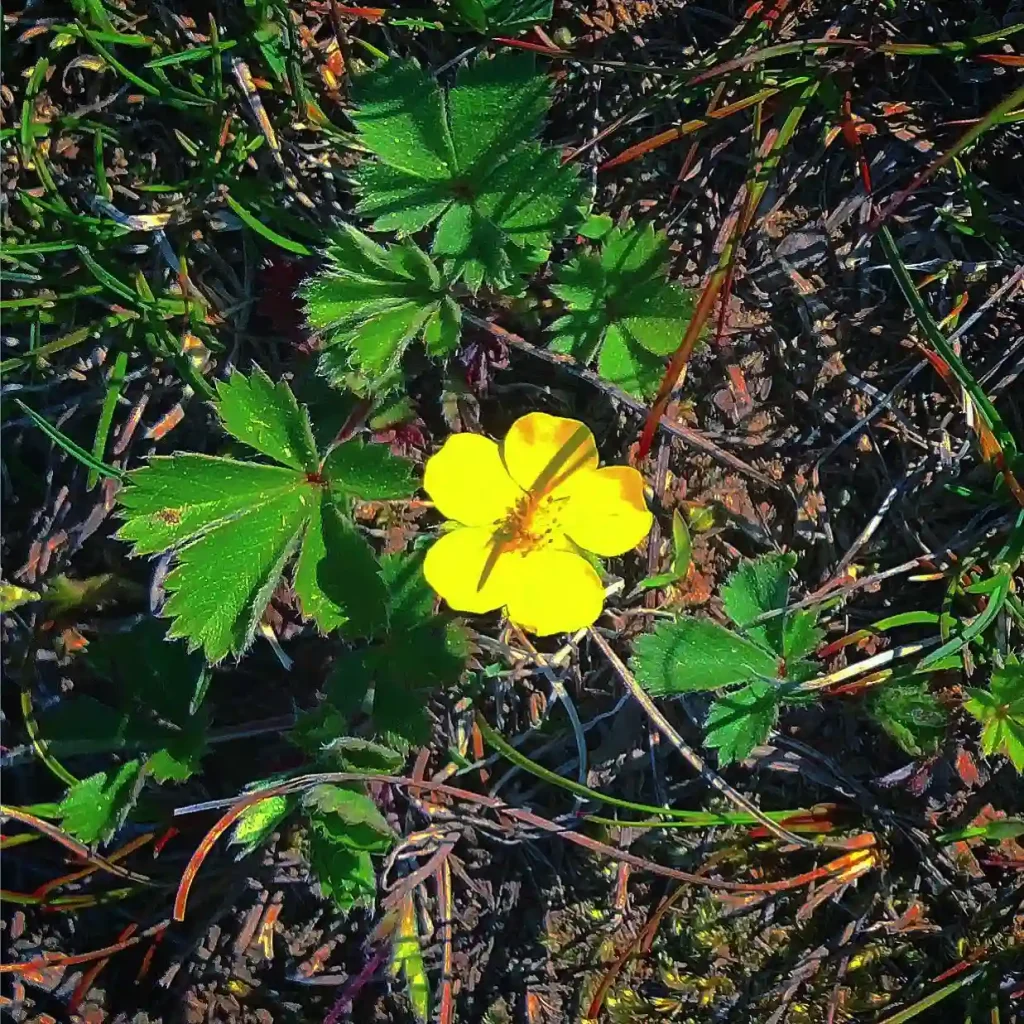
<point x="234" y="526"/>
<point x="463" y="162"/>
<point x="756" y="664"/>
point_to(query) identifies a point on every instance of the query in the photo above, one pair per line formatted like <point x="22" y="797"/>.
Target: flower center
<point x="530" y="524"/>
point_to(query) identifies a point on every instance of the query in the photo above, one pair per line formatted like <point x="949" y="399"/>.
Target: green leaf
<point x="490" y="17"/>
<point x="464" y="157"/>
<point x="367" y="471"/>
<point x="235" y="525"/>
<point x="407" y="960"/>
<point x="911" y="714"/>
<point x="742" y="720"/>
<point x="697" y="654"/>
<point x="1000" y="709"/>
<point x="355" y="754"/>
<point x="801" y="634"/>
<point x="621" y="308"/>
<point x="682" y="546"/>
<point x="266" y="417"/>
<point x="150" y="671"/>
<point x="371" y="301"/>
<point x="336" y="576"/>
<point x="179" y="759"/>
<point x="759" y="586"/>
<point x="398" y="673"/>
<point x="259" y="820"/>
<point x="345" y="873"/>
<point x="351" y="807"/>
<point x="94" y="808"/>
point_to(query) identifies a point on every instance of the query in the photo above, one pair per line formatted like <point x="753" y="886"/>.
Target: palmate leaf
<point x="464" y="159"/>
<point x="622" y="310"/>
<point x="235" y="525"/>
<point x="370" y="302"/>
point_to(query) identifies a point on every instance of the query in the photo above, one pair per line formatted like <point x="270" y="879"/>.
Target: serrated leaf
<point x="237" y="524"/>
<point x="622" y="310"/>
<point x="345" y="874"/>
<point x="1000" y="709"/>
<point x="464" y="158"/>
<point x="350" y="807"/>
<point x="758" y="586"/>
<point x="266" y="417"/>
<point x="259" y="820"/>
<point x="336" y="576"/>
<point x="94" y="808"/>
<point x="179" y="758"/>
<point x="367" y="471"/>
<point x="371" y="301"/>
<point x="741" y="720"/>
<point x="224" y="580"/>
<point x="697" y="654"/>
<point x="355" y="754"/>
<point x="398" y="672"/>
<point x="911" y="714"/>
<point x="801" y="634"/>
<point x="150" y="670"/>
<point x="410" y="597"/>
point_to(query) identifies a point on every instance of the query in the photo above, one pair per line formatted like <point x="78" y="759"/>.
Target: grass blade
<point x="76" y="451"/>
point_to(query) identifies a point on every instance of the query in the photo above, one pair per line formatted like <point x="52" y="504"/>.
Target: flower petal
<point x="606" y="512"/>
<point x="548" y="449"/>
<point x="468" y="482"/>
<point x="552" y="591"/>
<point x="456" y="563"/>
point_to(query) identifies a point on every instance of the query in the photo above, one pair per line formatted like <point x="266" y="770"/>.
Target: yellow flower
<point x="526" y="510"/>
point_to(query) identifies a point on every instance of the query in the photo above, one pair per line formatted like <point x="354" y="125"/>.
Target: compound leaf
<point x="235" y="525"/>
<point x="741" y="720"/>
<point x="464" y="157"/>
<point x="697" y="654"/>
<point x="371" y="301"/>
<point x="622" y="310"/>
